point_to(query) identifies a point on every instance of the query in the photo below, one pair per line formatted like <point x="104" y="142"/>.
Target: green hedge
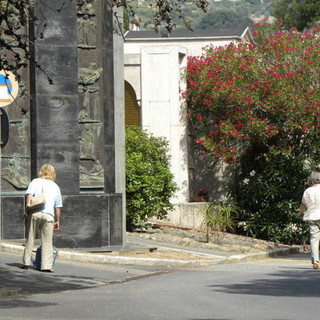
<point x="149" y="183"/>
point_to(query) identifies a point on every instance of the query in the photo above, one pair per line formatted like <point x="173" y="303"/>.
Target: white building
<point x="153" y="73"/>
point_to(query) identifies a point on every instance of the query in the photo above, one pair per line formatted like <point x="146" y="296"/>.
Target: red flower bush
<point x="263" y="92"/>
<point x="256" y="105"/>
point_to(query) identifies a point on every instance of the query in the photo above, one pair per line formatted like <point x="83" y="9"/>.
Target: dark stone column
<point x="108" y="100"/>
<point x="75" y="118"/>
<point x="73" y="122"/>
<point x="54" y="109"/>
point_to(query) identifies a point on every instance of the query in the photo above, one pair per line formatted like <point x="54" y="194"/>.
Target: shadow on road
<point x="23" y="302"/>
<point x="296" y="282"/>
<point x="33" y="282"/>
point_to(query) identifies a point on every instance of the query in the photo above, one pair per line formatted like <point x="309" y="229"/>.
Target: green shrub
<point x="270" y="187"/>
<point x="149" y="182"/>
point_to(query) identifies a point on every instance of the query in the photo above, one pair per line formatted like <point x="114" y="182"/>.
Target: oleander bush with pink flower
<point x="256" y="106"/>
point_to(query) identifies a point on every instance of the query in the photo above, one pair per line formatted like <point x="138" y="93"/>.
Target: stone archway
<point x="132" y="108"/>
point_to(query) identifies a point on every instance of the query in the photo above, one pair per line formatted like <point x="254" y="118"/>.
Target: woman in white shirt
<point x="44" y="219"/>
<point x="310" y="211"/>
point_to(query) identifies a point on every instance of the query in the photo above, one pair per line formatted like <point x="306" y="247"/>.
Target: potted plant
<point x="202" y="195"/>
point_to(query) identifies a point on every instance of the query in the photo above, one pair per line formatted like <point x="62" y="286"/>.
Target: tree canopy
<point x="301" y="14"/>
<point x="16" y="15"/>
<point x="224" y="19"/>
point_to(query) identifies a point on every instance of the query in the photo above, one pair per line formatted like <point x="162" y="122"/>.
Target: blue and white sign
<point x="8" y="88"/>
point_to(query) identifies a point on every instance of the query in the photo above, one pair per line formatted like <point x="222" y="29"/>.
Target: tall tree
<point x="301" y="14"/>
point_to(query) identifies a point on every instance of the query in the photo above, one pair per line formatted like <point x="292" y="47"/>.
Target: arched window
<point x="132" y="109"/>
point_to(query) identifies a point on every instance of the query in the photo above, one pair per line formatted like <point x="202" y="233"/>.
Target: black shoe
<point x="47" y="270"/>
<point x="24" y="267"/>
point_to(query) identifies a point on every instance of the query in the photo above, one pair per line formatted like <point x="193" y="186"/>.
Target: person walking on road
<point x="44" y="219"/>
<point x="310" y="211"/>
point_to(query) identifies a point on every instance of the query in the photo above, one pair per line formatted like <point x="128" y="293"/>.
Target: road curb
<point x="65" y="255"/>
<point x="72" y="256"/>
<point x="257" y="256"/>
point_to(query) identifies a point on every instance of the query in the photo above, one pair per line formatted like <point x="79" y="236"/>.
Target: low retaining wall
<point x="87" y="220"/>
<point x="187" y="215"/>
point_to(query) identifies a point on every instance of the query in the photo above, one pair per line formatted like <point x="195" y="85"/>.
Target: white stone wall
<point x="132" y="72"/>
<point x="194" y="46"/>
<point x="158" y="69"/>
<point x="163" y="113"/>
<point x="154" y="69"/>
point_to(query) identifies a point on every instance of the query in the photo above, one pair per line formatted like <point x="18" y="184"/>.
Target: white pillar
<point x="163" y="112"/>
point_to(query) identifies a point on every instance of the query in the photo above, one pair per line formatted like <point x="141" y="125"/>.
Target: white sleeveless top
<point x="311" y="199"/>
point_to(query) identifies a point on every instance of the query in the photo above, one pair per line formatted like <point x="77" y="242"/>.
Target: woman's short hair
<point x="314" y="178"/>
<point x="47" y="171"/>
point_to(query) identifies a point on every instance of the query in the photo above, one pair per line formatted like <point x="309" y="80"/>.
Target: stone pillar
<point x="54" y="103"/>
<point x="163" y="112"/>
<point x="76" y="87"/>
<point x="114" y="109"/>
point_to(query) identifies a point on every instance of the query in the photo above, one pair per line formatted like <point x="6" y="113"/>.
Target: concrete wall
<point x="154" y="68"/>
<point x="194" y="46"/>
<point x="132" y="73"/>
<point x="86" y="221"/>
<point x="163" y="113"/>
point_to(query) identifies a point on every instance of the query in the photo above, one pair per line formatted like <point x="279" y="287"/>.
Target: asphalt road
<point x="273" y="289"/>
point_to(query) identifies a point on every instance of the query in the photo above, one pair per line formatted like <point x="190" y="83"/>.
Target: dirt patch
<point x="219" y="242"/>
<point x="161" y="253"/>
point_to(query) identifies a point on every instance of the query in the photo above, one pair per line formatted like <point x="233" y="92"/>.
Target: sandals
<point x="316" y="265"/>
